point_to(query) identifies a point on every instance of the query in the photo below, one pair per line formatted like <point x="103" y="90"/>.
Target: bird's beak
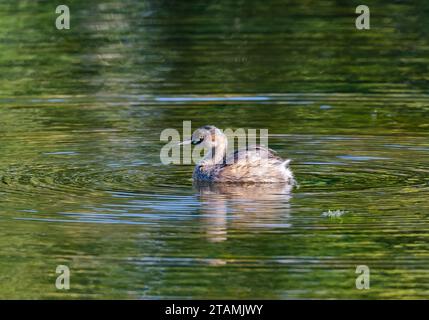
<point x="185" y="142"/>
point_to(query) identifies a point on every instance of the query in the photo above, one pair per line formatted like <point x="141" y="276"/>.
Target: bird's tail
<point x="286" y="163"/>
<point x="293" y="182"/>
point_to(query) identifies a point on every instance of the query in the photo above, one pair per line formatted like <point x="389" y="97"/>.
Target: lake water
<point x="82" y="184"/>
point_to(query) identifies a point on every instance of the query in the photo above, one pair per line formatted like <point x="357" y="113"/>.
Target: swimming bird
<point x="254" y="164"/>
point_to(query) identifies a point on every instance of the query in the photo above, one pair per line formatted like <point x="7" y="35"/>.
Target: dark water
<point x="81" y="182"/>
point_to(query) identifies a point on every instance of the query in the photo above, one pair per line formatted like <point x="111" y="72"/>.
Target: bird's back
<point x="253" y="164"/>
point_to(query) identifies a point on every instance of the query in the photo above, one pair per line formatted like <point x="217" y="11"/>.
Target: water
<point x="81" y="183"/>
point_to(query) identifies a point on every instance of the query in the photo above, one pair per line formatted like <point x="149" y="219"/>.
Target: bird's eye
<point x="200" y="139"/>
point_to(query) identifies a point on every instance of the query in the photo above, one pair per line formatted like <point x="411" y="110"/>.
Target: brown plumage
<point x="254" y="164"/>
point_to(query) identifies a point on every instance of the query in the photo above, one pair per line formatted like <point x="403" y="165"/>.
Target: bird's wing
<point x="251" y="154"/>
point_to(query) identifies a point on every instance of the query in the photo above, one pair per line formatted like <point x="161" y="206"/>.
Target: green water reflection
<point x="81" y="182"/>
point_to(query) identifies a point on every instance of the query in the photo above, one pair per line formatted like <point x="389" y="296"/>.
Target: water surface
<point x="81" y="182"/>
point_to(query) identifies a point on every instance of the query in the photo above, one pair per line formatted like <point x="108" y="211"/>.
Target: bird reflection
<point x="243" y="206"/>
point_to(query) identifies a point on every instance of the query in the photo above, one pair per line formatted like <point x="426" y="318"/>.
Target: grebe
<point x="255" y="164"/>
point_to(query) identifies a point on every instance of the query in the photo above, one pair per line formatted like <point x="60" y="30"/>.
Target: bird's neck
<point x="215" y="155"/>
